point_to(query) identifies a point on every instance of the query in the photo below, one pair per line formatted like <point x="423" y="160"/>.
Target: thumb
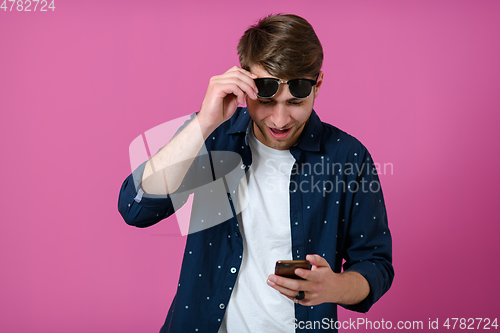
<point x="317" y="260"/>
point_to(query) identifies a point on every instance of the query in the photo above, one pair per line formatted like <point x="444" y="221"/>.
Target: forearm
<point x="165" y="171"/>
<point x="351" y="288"/>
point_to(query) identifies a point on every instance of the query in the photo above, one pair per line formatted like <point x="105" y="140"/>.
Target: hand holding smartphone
<point x="286" y="268"/>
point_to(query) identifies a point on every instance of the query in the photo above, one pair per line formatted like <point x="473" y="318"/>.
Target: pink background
<point x="417" y="82"/>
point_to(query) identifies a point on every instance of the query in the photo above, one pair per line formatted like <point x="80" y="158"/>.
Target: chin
<point x="278" y="144"/>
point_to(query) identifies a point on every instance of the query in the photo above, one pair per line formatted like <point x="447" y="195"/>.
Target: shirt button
<point x="243" y="166"/>
<point x="222" y="306"/>
<point x="233" y="270"/>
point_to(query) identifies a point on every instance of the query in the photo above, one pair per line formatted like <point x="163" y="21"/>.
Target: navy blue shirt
<point x="337" y="211"/>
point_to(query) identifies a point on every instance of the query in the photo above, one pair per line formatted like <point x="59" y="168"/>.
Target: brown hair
<point x="285" y="45"/>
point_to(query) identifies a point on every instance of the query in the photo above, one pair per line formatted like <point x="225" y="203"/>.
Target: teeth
<point x="279" y="131"/>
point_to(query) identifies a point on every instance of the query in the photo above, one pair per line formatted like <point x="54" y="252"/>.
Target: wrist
<point x="206" y="124"/>
<point x="351" y="288"/>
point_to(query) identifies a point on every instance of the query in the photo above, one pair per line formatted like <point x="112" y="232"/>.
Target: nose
<point x="280" y="117"/>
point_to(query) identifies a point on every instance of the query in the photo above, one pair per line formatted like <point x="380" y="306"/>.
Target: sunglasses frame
<point x="280" y="82"/>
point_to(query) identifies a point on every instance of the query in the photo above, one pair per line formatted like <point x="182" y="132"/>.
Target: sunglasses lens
<point x="300" y="88"/>
<point x="267" y="87"/>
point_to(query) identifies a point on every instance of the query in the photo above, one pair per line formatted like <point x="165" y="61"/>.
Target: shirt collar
<point x="310" y="138"/>
<point x="240" y="124"/>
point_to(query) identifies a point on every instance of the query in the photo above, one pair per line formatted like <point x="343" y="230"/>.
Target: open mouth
<point x="279" y="133"/>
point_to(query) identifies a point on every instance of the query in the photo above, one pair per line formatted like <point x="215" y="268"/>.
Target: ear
<point x="318" y="84"/>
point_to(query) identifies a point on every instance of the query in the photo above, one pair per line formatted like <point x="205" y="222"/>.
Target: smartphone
<point x="287" y="268"/>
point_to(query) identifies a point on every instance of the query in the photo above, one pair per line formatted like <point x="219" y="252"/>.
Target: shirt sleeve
<point x="138" y="208"/>
<point x="143" y="210"/>
<point x="369" y="244"/>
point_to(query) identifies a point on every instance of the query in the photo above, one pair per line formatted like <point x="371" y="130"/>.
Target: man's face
<point x="279" y="121"/>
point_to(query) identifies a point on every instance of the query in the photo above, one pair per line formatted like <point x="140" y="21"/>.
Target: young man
<point x="305" y="190"/>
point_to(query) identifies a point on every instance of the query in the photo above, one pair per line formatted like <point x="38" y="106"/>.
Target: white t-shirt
<point x="254" y="306"/>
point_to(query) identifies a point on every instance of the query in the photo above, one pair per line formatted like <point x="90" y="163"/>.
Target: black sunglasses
<point x="299" y="88"/>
